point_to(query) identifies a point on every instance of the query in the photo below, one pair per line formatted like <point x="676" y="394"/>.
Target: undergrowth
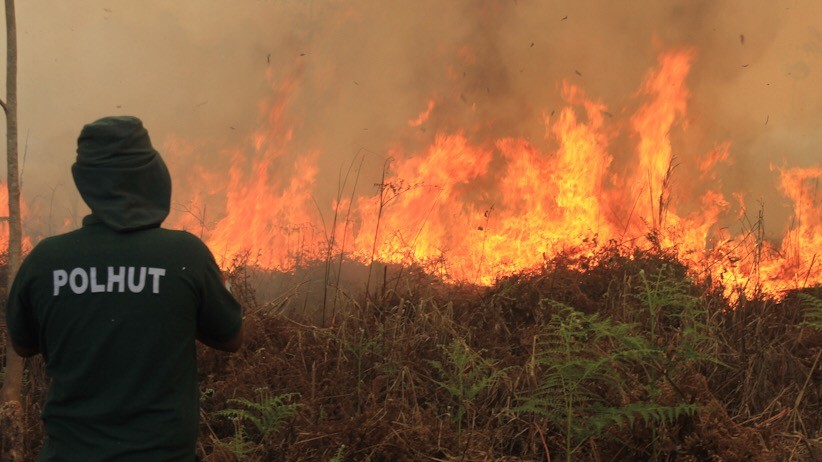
<point x="578" y="357"/>
<point x="622" y="356"/>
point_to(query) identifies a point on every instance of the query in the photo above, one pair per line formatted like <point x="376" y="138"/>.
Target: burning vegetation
<point x="472" y="208"/>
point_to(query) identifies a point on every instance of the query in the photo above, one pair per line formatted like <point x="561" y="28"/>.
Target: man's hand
<point x="230" y="346"/>
<point x="25" y="352"/>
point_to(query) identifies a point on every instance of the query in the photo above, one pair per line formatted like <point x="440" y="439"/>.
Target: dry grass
<point x="370" y="389"/>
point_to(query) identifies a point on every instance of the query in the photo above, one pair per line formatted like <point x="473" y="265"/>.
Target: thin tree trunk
<point x="11" y="411"/>
<point x="13" y="382"/>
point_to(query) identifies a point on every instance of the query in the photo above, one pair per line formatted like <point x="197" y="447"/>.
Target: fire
<point x="261" y="213"/>
<point x="799" y="259"/>
<point x="4" y="211"/>
<point x="416" y="204"/>
<point x="4" y="223"/>
<point x="472" y="209"/>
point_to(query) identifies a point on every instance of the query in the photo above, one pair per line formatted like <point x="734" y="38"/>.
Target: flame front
<point x="4" y="221"/>
<point x="472" y="209"/>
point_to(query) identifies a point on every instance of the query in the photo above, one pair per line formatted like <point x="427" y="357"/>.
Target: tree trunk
<point x="13" y="382"/>
<point x="11" y="411"/>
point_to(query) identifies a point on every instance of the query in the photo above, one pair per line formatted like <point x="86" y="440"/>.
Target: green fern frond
<point x="464" y="375"/>
<point x="338" y="457"/>
<point x="238" y="445"/>
<point x="581" y="356"/>
<point x="266" y="413"/>
<point x="813" y="311"/>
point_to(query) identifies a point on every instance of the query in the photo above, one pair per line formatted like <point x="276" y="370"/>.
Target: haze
<point x="199" y="72"/>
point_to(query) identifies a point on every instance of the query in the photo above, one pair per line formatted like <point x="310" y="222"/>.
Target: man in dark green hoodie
<point x="115" y="307"/>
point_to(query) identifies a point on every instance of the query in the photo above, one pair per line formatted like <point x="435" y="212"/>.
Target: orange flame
<point x="4" y="223"/>
<point x="473" y="209"/>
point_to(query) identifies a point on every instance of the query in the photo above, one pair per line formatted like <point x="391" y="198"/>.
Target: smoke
<point x="205" y="76"/>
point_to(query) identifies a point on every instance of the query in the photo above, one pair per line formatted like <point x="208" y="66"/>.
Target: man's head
<point x="120" y="176"/>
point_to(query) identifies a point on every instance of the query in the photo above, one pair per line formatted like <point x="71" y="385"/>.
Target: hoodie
<point x="115" y="308"/>
<point x="120" y="176"/>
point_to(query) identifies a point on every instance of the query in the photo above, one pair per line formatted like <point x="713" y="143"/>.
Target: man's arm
<point x="21" y="321"/>
<point x="25" y="352"/>
<point x="219" y="315"/>
<point x="231" y="345"/>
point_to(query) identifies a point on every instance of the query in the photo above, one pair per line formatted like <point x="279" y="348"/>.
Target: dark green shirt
<point x="115" y="316"/>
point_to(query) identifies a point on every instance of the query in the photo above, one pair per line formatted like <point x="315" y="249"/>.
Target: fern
<point x="813" y="311"/>
<point x="266" y="413"/>
<point x="238" y="445"/>
<point x="680" y="335"/>
<point x="338" y="457"/>
<point x="690" y="338"/>
<point x="464" y="376"/>
<point x="652" y="414"/>
<point x="578" y="357"/>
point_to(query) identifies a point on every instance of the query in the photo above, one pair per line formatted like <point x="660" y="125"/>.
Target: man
<point x="115" y="307"/>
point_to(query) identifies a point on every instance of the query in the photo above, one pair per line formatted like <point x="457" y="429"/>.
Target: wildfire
<point x="472" y="208"/>
<point x="4" y="223"/>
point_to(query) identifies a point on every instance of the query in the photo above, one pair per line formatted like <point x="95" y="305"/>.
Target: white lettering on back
<point x="82" y="285"/>
<point x="119" y="278"/>
<point x="96" y="288"/>
<point x="60" y="280"/>
<point x="136" y="286"/>
<point x="156" y="273"/>
<point x="82" y="280"/>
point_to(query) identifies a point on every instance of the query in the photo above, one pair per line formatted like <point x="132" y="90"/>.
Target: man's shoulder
<point x="48" y="245"/>
<point x="181" y="236"/>
<point x="182" y="241"/>
<point x="179" y="240"/>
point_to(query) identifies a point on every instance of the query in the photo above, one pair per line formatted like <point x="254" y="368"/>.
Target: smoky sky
<point x="203" y="72"/>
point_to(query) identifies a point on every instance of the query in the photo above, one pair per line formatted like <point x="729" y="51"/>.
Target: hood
<point x="120" y="176"/>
